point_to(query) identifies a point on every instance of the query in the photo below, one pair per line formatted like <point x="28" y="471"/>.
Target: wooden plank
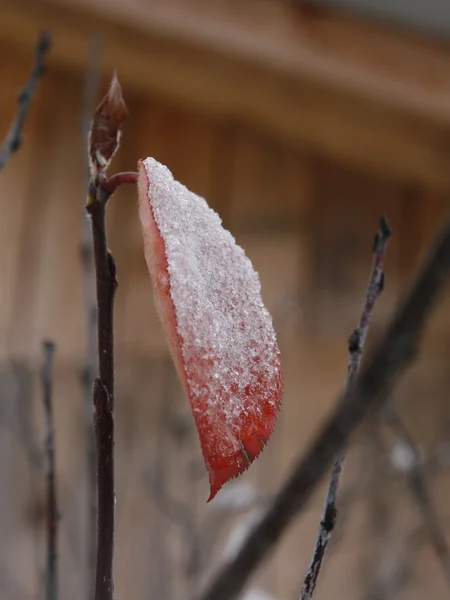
<point x="46" y="288"/>
<point x="343" y="221"/>
<point x="270" y="185"/>
<point x="344" y="89"/>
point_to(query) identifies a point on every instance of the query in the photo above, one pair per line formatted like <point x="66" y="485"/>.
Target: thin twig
<point x="52" y="504"/>
<point x="419" y="489"/>
<point x="106" y="283"/>
<point x="14" y="137"/>
<point x="376" y="379"/>
<point x="92" y="84"/>
<point x="355" y="348"/>
<point x="104" y="137"/>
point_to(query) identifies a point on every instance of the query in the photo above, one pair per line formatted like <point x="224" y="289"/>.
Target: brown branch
<point x="104" y="136"/>
<point x="52" y="504"/>
<point x="419" y="489"/>
<point x="355" y="348"/>
<point x="106" y="284"/>
<point x="386" y="363"/>
<point x="14" y="138"/>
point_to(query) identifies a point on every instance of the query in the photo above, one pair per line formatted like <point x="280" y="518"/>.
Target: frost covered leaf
<point x="105" y="132"/>
<point x="221" y="337"/>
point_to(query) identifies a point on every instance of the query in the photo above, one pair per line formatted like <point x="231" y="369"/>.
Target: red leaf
<point x="106" y="127"/>
<point x="221" y="337"/>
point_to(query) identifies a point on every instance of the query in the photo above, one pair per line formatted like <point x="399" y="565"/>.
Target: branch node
<point x="385" y="228"/>
<point x="102" y="400"/>
<point x="354" y="341"/>
<point x="112" y="268"/>
<point x="329" y="518"/>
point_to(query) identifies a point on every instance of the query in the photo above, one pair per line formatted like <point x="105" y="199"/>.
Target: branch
<point x="386" y="363"/>
<point x="355" y="348"/>
<point x="419" y="490"/>
<point x="52" y="505"/>
<point x="104" y="136"/>
<point x="106" y="283"/>
<point x="14" y="137"/>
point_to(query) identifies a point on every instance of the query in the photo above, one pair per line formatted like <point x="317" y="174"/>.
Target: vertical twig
<point x="52" y="505"/>
<point x="104" y="136"/>
<point x="355" y="348"/>
<point x="90" y="310"/>
<point x="14" y="137"/>
<point x="106" y="284"/>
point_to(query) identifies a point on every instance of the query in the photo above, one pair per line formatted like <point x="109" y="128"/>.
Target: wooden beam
<point x="360" y="94"/>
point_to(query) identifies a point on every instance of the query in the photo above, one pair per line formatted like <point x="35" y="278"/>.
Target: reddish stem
<point x="112" y="183"/>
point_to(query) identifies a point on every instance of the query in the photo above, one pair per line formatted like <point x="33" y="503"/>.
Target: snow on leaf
<point x="221" y="336"/>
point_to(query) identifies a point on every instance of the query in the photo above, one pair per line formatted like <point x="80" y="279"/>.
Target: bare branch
<point x="105" y="272"/>
<point x="419" y="489"/>
<point x="14" y="137"/>
<point x="386" y="363"/>
<point x="355" y="348"/>
<point x="104" y="139"/>
<point x="104" y="431"/>
<point x="52" y="504"/>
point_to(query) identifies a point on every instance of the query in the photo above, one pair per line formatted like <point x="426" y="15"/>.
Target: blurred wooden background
<point x="301" y="127"/>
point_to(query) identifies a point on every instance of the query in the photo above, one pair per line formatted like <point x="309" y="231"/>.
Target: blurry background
<point x="301" y="126"/>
